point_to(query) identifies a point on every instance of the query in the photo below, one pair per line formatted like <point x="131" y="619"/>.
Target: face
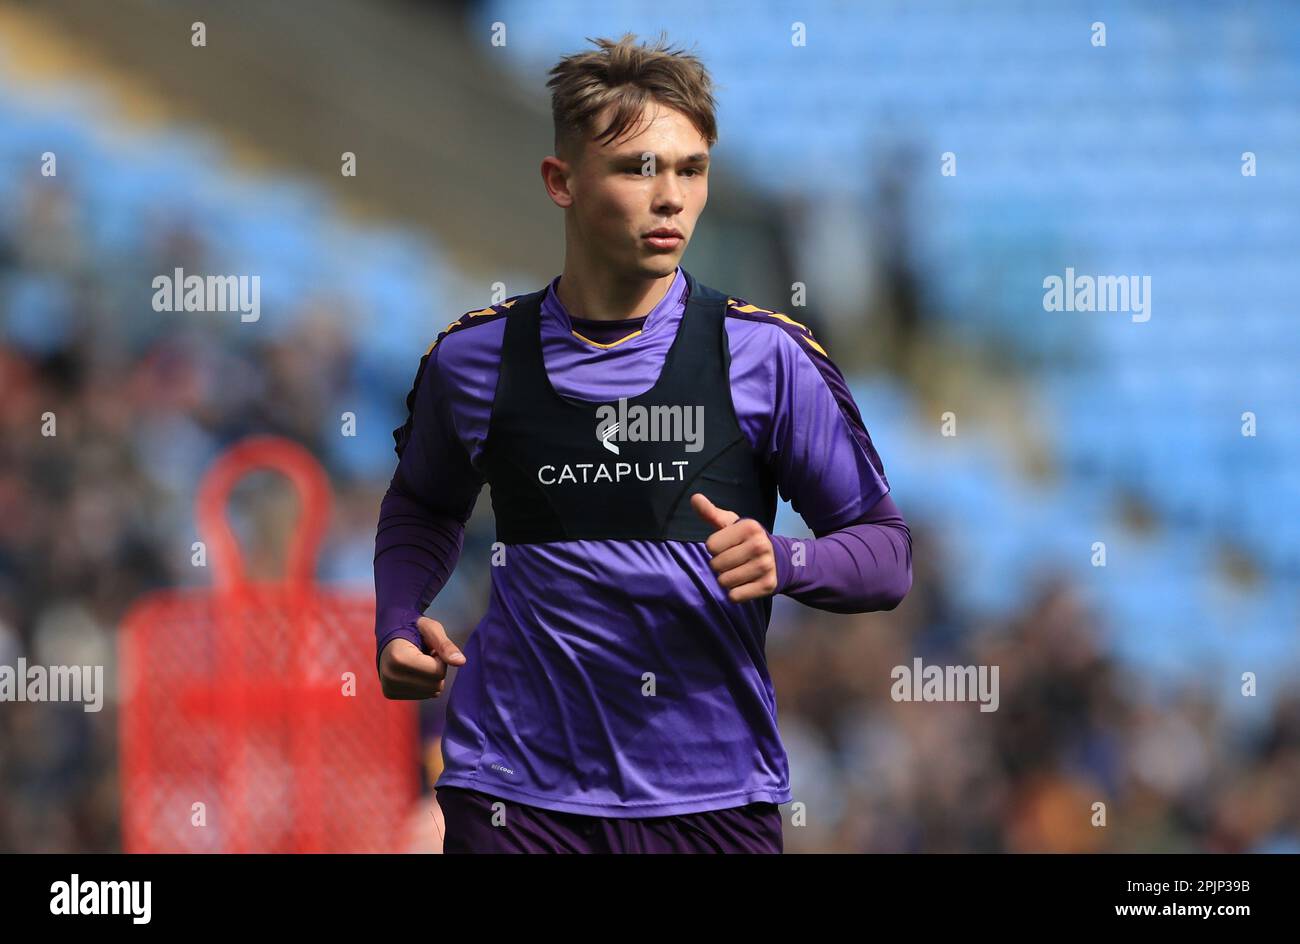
<point x="618" y="194"/>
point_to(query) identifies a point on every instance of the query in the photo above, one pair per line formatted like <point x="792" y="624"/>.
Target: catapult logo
<point x="623" y="423"/>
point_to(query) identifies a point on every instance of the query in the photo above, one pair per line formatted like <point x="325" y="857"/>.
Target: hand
<point x="743" y="557"/>
<point x="405" y="672"/>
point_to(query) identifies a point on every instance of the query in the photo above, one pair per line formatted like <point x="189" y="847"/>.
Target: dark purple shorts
<point x="753" y="828"/>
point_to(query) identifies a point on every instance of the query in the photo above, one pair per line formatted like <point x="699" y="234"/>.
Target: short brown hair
<point x="628" y="75"/>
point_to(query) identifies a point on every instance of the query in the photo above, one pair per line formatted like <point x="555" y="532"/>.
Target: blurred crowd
<point x="111" y="413"/>
<point x="1080" y="755"/>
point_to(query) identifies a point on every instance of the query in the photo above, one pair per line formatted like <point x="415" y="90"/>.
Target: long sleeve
<point x="828" y="468"/>
<point x="422" y="517"/>
<point x="862" y="567"/>
<point x="416" y="550"/>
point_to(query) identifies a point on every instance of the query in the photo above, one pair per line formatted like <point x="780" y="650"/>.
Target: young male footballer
<point x="634" y="426"/>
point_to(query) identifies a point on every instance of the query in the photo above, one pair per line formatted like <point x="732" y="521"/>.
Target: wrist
<point x="781" y="550"/>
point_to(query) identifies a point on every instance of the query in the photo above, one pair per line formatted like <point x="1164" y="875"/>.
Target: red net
<point x="252" y="718"/>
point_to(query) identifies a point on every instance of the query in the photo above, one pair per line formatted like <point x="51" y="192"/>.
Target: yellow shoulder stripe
<point x="748" y="309"/>
<point x="490" y="310"/>
<point x="815" y="346"/>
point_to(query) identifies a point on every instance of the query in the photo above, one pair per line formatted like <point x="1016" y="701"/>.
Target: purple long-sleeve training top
<point x="541" y="712"/>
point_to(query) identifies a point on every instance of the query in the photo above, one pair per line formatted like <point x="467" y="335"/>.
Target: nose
<point x="667" y="194"/>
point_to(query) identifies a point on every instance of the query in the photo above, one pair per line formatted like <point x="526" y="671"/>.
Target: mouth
<point x="664" y="238"/>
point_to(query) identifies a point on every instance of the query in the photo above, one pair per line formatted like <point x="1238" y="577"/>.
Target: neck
<point x="610" y="298"/>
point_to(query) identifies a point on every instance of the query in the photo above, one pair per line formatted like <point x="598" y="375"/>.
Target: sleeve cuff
<point x="784" y="569"/>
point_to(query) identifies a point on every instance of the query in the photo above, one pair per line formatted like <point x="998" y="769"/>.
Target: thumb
<point x="436" y="641"/>
<point x="717" y="517"/>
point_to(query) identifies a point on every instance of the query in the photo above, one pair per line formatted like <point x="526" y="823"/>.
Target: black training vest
<point x="558" y="472"/>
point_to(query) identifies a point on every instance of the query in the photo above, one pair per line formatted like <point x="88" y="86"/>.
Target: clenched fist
<point x="743" y="558"/>
<point x="405" y="672"/>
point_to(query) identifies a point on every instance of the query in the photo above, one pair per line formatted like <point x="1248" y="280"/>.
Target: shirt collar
<point x="554" y="308"/>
